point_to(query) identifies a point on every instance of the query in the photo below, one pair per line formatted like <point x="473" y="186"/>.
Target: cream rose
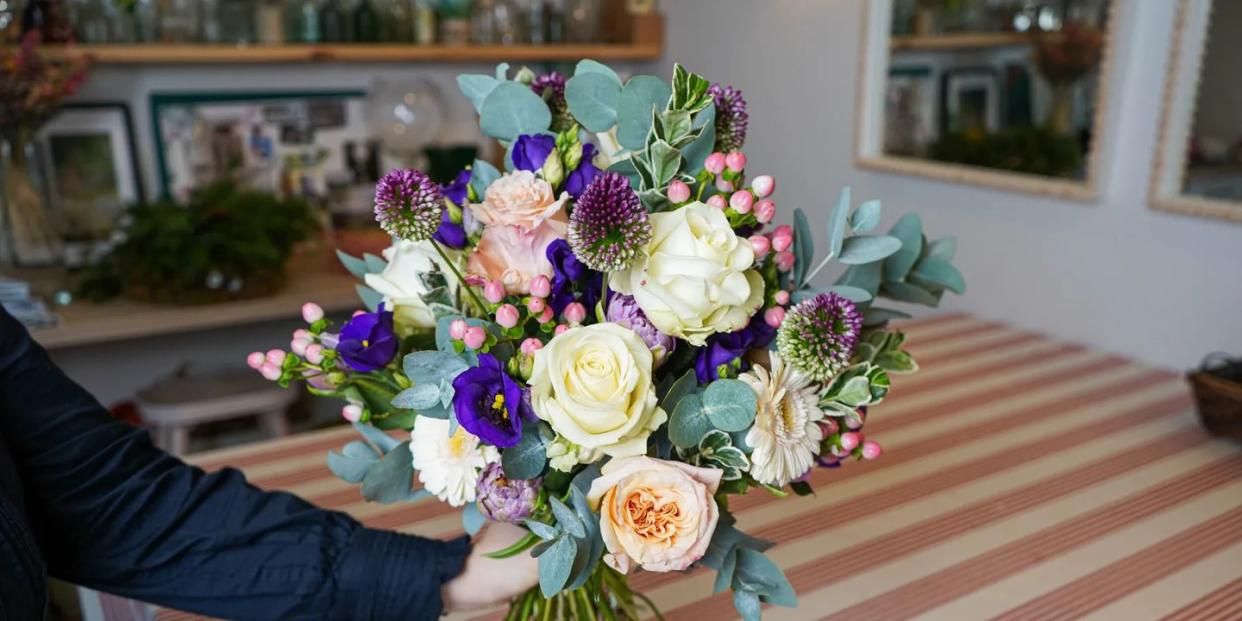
<point x="520" y="199"/>
<point x="593" y="386"/>
<point x="695" y="278"/>
<point x="658" y="514"/>
<point x="402" y="285"/>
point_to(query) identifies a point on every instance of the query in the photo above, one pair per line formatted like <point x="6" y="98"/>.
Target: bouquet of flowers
<point x="608" y="340"/>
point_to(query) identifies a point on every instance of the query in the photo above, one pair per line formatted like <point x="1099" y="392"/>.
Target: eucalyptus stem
<point x="461" y="279"/>
<point x="807" y="278"/>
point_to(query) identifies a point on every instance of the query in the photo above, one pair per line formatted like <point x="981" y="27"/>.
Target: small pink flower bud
<point x="352" y="413"/>
<point x="314" y="353"/>
<point x="715" y="163"/>
<point x="761" y="245"/>
<point x="561" y="329"/>
<point x="457" y="329"/>
<point x="871" y="450"/>
<point x="540" y="286"/>
<point x="782" y="239"/>
<point x="276" y="357"/>
<point x="475" y="337"/>
<point x="536" y="305"/>
<point x="575" y="312"/>
<point x="784" y="261"/>
<point x="736" y="161"/>
<point x="255" y="360"/>
<point x="742" y="201"/>
<point x="850" y="440"/>
<point x="718" y="201"/>
<point x="531" y="345"/>
<point x="303" y="335"/>
<point x="474" y="280"/>
<point x="765" y="210"/>
<point x="494" y="291"/>
<point x="724" y="185"/>
<point x="358" y="312"/>
<point x="312" y="312"/>
<point x="298" y="346"/>
<point x="547" y="315"/>
<point x="774" y="316"/>
<point x="763" y="185"/>
<point x="678" y="191"/>
<point x="829" y="426"/>
<point x="270" y="371"/>
<point x="782" y="297"/>
<point x="507" y="316"/>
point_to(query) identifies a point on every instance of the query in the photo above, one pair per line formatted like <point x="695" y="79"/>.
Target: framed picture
<point x="971" y="101"/>
<point x="91" y="166"/>
<point x="909" y="110"/>
<point x="293" y="143"/>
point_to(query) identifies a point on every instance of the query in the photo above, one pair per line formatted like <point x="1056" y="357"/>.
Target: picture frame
<point x="287" y="142"/>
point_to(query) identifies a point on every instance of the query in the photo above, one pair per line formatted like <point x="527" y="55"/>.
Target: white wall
<point x="1114" y="273"/>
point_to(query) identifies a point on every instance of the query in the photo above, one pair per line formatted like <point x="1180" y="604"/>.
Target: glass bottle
<point x="483" y="22"/>
<point x="366" y="23"/>
<point x="90" y="20"/>
<point x="302" y="21"/>
<point x="331" y="22"/>
<point x="424" y="22"/>
<point x="582" y="21"/>
<point x="554" y="21"/>
<point x="178" y="21"/>
<point x="209" y="30"/>
<point x="236" y="21"/>
<point x="143" y="15"/>
<point x="536" y="22"/>
<point x="509" y="23"/>
<point x="268" y="28"/>
<point x="397" y="21"/>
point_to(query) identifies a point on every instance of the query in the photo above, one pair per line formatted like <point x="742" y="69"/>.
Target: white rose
<point x="695" y="278"/>
<point x="593" y="386"/>
<point x="402" y="285"/>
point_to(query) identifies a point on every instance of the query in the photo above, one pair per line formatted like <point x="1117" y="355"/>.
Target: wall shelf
<point x="963" y="40"/>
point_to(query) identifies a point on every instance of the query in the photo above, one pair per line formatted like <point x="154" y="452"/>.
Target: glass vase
<point x="27" y="219"/>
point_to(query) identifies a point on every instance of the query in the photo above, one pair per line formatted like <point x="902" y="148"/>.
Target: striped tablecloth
<point x="1022" y="478"/>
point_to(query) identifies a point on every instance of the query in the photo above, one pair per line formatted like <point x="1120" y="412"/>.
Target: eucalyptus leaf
<point x="804" y="247"/>
<point x="697" y="151"/>
<point x="866" y="277"/>
<point x="371" y="298"/>
<point x="944" y="249"/>
<point x="679" y="389"/>
<point x="868" y="249"/>
<point x="755" y="572"/>
<point x="639" y="97"/>
<point x="382" y="441"/>
<point x="939" y="273"/>
<point x="566" y="518"/>
<point x="587" y="65"/>
<point x="527" y="458"/>
<point x="906" y="292"/>
<point x="356" y="266"/>
<point x="593" y="99"/>
<point x="747" y="605"/>
<point x="555" y="566"/>
<point x="476" y="88"/>
<point x="374" y="264"/>
<point x="724" y="575"/>
<point x="544" y="531"/>
<point x="353" y="462"/>
<point x="432" y="367"/>
<point x="909" y="229"/>
<point x="688" y="422"/>
<point x="853" y="294"/>
<point x="512" y="109"/>
<point x="482" y="175"/>
<point x="418" y="397"/>
<point x="626" y="168"/>
<point x="866" y="217"/>
<point x="729" y="404"/>
<point x="471" y="519"/>
<point x="391" y="478"/>
<point x="582" y="481"/>
<point x="837" y="223"/>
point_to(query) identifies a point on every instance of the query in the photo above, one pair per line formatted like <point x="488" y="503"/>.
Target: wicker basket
<point x="1217" y="387"/>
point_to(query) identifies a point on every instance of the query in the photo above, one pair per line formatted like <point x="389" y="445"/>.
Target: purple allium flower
<point x="368" y="342"/>
<point x="609" y="225"/>
<point x="569" y="273"/>
<point x="582" y="176"/>
<point x="502" y="499"/>
<point x="818" y="336"/>
<point x="490" y="404"/>
<point x="732" y="119"/>
<point x="530" y="152"/>
<point x="727" y="349"/>
<point x="408" y="204"/>
<point x="624" y="311"/>
<point x="551" y="87"/>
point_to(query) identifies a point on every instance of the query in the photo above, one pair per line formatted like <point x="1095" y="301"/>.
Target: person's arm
<point x="114" y="513"/>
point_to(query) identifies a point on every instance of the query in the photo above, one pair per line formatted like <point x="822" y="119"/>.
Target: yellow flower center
<point x="498" y="404"/>
<point x="457" y="443"/>
<point x="366" y="343"/>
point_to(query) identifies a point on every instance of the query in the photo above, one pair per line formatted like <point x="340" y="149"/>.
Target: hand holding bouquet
<point x="607" y="341"/>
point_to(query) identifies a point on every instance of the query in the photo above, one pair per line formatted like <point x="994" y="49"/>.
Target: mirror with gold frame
<point x="999" y="93"/>
<point x="1198" y="164"/>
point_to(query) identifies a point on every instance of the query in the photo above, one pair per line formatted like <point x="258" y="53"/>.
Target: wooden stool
<point x="172" y="406"/>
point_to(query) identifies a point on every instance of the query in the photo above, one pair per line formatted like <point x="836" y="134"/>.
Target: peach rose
<point x="520" y="199"/>
<point x="513" y="256"/>
<point x="658" y="514"/>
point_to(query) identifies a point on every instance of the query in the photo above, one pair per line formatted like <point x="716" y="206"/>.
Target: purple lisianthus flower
<point x="726" y="348"/>
<point x="624" y="311"/>
<point x="502" y="499"/>
<point x="530" y="152"/>
<point x="368" y="342"/>
<point x="568" y="271"/>
<point x="453" y="234"/>
<point x="490" y="404"/>
<point x="459" y="190"/>
<point x="582" y="176"/>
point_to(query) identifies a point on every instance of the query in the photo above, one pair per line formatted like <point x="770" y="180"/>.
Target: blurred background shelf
<point x="963" y="40"/>
<point x="171" y="54"/>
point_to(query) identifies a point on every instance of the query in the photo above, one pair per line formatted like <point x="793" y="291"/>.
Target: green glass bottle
<point x="332" y="28"/>
<point x="366" y="23"/>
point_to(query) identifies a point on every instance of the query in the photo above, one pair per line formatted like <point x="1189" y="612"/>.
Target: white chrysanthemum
<point x="786" y="434"/>
<point x="448" y="466"/>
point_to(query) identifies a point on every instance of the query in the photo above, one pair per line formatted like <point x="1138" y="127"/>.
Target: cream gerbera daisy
<point x="786" y="434"/>
<point x="448" y="465"/>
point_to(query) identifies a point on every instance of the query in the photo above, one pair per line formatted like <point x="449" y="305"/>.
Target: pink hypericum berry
<point x="784" y="261"/>
<point x="312" y="312"/>
<point x="715" y="163"/>
<point x="782" y="297"/>
<point x="531" y="345"/>
<point x="561" y="329"/>
<point x="494" y="291"/>
<point x="850" y="440"/>
<point x="742" y="201"/>
<point x="255" y="360"/>
<point x="763" y="185"/>
<point x="736" y="161"/>
<point x="547" y="315"/>
<point x="761" y="245"/>
<point x="298" y="346"/>
<point x="304" y="335"/>
<point x="724" y="185"/>
<point x="765" y="210"/>
<point x="276" y="356"/>
<point x="774" y="316"/>
<point x="871" y="450"/>
<point x="678" y="191"/>
<point x="314" y="353"/>
<point x="270" y="371"/>
<point x="536" y="305"/>
<point x="475" y="337"/>
<point x="540" y="286"/>
<point x="782" y="238"/>
<point x="507" y="316"/>
<point x="575" y="312"/>
<point x="829" y="426"/>
<point x="718" y="201"/>
<point x="457" y="329"/>
<point x="352" y="413"/>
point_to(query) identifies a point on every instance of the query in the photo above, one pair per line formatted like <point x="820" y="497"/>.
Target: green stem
<point x="586" y="605"/>
<point x="650" y="604"/>
<point x="547" y="610"/>
<point x="522" y="544"/>
<point x="461" y="279"/>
